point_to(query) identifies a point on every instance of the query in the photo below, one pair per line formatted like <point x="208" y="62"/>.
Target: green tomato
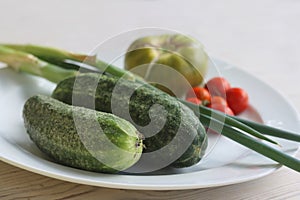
<point x="172" y="61"/>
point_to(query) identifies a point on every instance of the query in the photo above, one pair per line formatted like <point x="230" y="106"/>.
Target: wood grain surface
<point x="260" y="36"/>
<point x="20" y="184"/>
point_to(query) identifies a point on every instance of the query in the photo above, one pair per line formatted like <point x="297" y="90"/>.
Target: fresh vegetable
<point x="234" y="127"/>
<point x="222" y="108"/>
<point x="80" y="137"/>
<point x="117" y="72"/>
<point x="59" y="59"/>
<point x="194" y="100"/>
<point x="217" y="100"/>
<point x="24" y="62"/>
<point x="245" y="139"/>
<point x="268" y="130"/>
<point x="173" y="134"/>
<point x="237" y="99"/>
<point x="255" y="145"/>
<point x="220" y="104"/>
<point x="199" y="92"/>
<point x="234" y="100"/>
<point x="217" y="86"/>
<point x="181" y="56"/>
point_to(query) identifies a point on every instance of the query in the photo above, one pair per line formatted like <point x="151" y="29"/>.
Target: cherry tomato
<point x="237" y="99"/>
<point x="222" y="108"/>
<point x="218" y="100"/>
<point x="194" y="100"/>
<point x="217" y="86"/>
<point x="201" y="93"/>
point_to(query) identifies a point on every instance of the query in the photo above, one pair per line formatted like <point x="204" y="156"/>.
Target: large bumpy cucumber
<point x="80" y="137"/>
<point x="173" y="134"/>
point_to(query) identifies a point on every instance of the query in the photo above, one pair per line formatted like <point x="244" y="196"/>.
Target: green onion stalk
<point x="59" y="57"/>
<point x="53" y="64"/>
<point x="30" y="64"/>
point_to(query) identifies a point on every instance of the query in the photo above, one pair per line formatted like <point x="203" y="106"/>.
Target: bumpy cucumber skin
<point x="140" y="102"/>
<point x="50" y="125"/>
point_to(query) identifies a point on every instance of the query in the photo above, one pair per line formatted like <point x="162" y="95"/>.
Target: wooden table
<point x="20" y="184"/>
<point x="262" y="37"/>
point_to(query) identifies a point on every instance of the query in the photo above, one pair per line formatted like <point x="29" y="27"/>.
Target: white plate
<point x="225" y="163"/>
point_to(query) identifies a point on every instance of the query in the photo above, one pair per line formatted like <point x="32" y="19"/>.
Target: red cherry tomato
<point x="217" y="86"/>
<point x="218" y="100"/>
<point x="237" y="99"/>
<point x="194" y="100"/>
<point x="222" y="108"/>
<point x="201" y="93"/>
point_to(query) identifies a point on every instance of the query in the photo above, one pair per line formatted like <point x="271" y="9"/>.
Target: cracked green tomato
<point x="172" y="63"/>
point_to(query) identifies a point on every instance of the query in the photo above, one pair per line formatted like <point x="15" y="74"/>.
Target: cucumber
<point x="80" y="137"/>
<point x="174" y="136"/>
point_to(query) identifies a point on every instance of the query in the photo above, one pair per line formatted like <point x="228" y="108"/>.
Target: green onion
<point x="240" y="123"/>
<point x="50" y="54"/>
<point x="58" y="57"/>
<point x="225" y="119"/>
<point x="268" y="130"/>
<point x="254" y="144"/>
<point x="32" y="65"/>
